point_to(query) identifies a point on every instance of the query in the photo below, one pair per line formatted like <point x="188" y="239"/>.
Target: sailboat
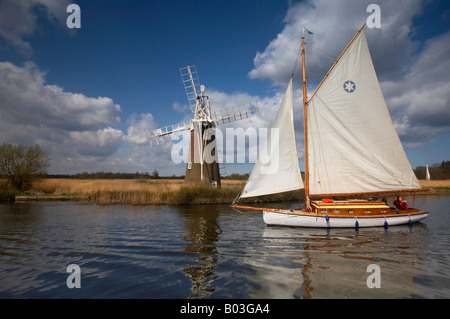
<point x="351" y="149"/>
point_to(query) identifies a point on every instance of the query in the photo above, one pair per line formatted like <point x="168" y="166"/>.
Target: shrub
<point x="22" y="165"/>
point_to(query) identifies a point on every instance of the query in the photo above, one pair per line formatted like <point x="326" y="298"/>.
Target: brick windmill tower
<point x="202" y="165"/>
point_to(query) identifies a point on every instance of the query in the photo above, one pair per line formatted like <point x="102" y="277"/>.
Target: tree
<point x="22" y="165"/>
<point x="155" y="174"/>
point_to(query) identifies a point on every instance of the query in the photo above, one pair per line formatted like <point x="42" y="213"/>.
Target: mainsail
<point x="353" y="146"/>
<point x="276" y="169"/>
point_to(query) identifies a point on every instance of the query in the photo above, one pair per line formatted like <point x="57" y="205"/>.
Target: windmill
<point x="202" y="165"/>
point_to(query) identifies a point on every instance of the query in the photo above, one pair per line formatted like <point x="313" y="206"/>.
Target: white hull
<point x="286" y="219"/>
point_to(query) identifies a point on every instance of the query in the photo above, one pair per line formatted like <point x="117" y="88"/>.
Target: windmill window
<point x="189" y="165"/>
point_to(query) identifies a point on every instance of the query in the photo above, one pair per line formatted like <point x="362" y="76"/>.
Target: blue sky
<point x="89" y="96"/>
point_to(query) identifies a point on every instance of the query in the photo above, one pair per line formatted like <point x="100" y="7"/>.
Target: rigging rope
<point x="296" y="61"/>
<point x="325" y="52"/>
<point x="425" y="198"/>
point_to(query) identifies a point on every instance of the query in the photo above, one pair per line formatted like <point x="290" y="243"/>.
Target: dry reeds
<point x="85" y="187"/>
<point x="140" y="191"/>
<point x="434" y="183"/>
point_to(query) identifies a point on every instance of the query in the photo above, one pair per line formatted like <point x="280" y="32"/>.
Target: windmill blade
<point x="158" y="135"/>
<point x="191" y="84"/>
<point x="235" y="113"/>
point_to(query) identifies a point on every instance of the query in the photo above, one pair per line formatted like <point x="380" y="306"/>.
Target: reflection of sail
<point x="202" y="234"/>
<point x="339" y="270"/>
<point x="334" y="264"/>
<point x="278" y="265"/>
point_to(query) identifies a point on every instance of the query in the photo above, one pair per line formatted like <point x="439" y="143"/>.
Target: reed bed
<point x="80" y="186"/>
<point x="435" y="183"/>
<point x="168" y="191"/>
<point x="140" y="191"/>
<point x="438" y="187"/>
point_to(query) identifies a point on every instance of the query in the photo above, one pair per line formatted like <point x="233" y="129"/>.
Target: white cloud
<point x="334" y="23"/>
<point x="420" y="100"/>
<point x="66" y="125"/>
<point x="18" y="19"/>
<point x="139" y="128"/>
<point x="102" y="142"/>
<point x="182" y="108"/>
<point x="26" y="99"/>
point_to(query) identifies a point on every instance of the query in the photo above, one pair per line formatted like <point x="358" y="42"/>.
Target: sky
<point x="89" y="96"/>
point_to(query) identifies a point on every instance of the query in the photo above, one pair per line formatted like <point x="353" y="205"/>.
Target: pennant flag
<point x="307" y="31"/>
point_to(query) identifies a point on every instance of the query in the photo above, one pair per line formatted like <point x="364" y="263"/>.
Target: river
<point x="213" y="251"/>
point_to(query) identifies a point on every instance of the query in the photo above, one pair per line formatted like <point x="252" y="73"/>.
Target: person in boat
<point x="397" y="202"/>
<point x="401" y="203"/>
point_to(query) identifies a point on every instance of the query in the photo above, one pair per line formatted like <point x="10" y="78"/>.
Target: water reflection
<point x="278" y="264"/>
<point x="333" y="263"/>
<point x="202" y="234"/>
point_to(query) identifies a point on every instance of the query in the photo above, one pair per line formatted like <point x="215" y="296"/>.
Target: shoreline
<point x="166" y="192"/>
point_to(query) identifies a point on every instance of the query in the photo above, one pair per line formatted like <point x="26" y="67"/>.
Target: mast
<point x="306" y="128"/>
<point x="305" y="113"/>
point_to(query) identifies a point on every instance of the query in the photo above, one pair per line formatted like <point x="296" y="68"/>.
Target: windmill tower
<point x="202" y="165"/>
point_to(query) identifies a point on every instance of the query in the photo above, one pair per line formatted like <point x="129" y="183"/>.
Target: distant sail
<point x="352" y="144"/>
<point x="427" y="177"/>
<point x="276" y="169"/>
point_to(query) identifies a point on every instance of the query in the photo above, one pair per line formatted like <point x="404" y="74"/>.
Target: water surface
<point x="212" y="251"/>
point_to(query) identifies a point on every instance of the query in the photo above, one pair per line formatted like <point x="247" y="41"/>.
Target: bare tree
<point x="155" y="174"/>
<point x="22" y="165"/>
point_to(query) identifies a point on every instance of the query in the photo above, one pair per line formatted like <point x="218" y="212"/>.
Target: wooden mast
<point x="306" y="128"/>
<point x="308" y="207"/>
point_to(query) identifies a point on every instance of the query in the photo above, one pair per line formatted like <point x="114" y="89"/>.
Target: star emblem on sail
<point x="349" y="86"/>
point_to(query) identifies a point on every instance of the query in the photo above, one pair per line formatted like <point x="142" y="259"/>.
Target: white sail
<point x="276" y="169"/>
<point x="427" y="177"/>
<point x="352" y="144"/>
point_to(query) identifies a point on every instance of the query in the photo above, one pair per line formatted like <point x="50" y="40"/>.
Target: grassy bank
<point x="162" y="191"/>
<point x="437" y="187"/>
